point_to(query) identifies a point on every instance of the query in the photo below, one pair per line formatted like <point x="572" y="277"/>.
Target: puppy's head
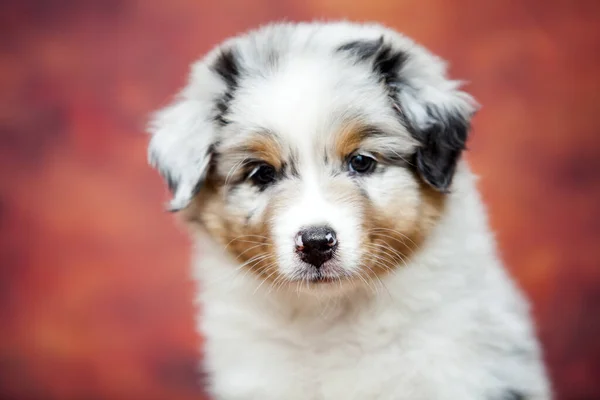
<point x="314" y="153"/>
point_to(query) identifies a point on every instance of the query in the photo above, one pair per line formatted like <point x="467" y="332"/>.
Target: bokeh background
<point x="95" y="291"/>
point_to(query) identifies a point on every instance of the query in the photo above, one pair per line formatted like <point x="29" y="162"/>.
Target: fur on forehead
<point x="364" y="72"/>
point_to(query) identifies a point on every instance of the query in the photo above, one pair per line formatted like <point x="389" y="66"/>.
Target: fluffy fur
<point x="414" y="304"/>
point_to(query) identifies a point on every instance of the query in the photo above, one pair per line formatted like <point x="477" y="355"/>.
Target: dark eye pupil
<point x="361" y="164"/>
<point x="264" y="175"/>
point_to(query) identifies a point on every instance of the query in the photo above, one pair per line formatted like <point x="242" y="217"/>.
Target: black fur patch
<point x="386" y="61"/>
<point x="228" y="68"/>
<point x="442" y="145"/>
<point x="226" y="65"/>
<point x="362" y="49"/>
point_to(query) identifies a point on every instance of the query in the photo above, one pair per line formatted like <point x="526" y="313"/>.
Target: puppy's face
<point x="329" y="208"/>
<point x="318" y="167"/>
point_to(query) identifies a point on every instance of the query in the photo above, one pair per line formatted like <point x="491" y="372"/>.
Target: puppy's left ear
<point x="437" y="114"/>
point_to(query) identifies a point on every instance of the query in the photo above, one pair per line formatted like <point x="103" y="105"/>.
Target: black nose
<point x="315" y="245"/>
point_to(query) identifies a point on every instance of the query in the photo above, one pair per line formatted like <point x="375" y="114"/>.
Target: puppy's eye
<point x="361" y="164"/>
<point x="262" y="175"/>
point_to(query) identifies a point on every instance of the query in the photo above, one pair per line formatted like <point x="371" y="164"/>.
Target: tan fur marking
<point x="249" y="244"/>
<point x="348" y="139"/>
<point x="266" y="148"/>
<point x="390" y="241"/>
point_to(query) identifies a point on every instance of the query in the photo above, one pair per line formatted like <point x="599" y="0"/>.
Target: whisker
<point x="379" y="280"/>
<point x="373" y="230"/>
<point x="234" y="169"/>
<point x="388" y="250"/>
<point x="386" y="262"/>
<point x="361" y="277"/>
<point x="245" y="236"/>
<point x="248" y="249"/>
<point x="251" y="262"/>
<point x="267" y="277"/>
<point x="381" y="262"/>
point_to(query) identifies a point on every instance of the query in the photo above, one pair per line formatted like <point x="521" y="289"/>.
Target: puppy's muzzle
<point x="316" y="245"/>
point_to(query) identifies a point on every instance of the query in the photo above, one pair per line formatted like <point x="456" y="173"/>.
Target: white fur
<point x="449" y="324"/>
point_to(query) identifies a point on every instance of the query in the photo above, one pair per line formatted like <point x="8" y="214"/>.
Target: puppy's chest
<point x="352" y="362"/>
<point x="318" y="361"/>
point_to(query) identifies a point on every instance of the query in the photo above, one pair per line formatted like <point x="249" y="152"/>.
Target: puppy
<point x="345" y="252"/>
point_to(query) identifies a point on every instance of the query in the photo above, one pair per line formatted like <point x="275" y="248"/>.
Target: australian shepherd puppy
<point x="344" y="249"/>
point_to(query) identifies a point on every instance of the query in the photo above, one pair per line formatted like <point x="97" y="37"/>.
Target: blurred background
<point x="96" y="301"/>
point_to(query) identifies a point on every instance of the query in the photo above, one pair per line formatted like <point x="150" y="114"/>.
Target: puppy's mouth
<point x="320" y="278"/>
<point x="322" y="275"/>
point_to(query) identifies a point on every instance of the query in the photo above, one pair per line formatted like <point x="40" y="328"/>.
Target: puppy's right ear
<point x="184" y="133"/>
<point x="181" y="148"/>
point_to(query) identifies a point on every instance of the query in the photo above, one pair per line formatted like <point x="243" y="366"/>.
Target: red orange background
<point x="95" y="294"/>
